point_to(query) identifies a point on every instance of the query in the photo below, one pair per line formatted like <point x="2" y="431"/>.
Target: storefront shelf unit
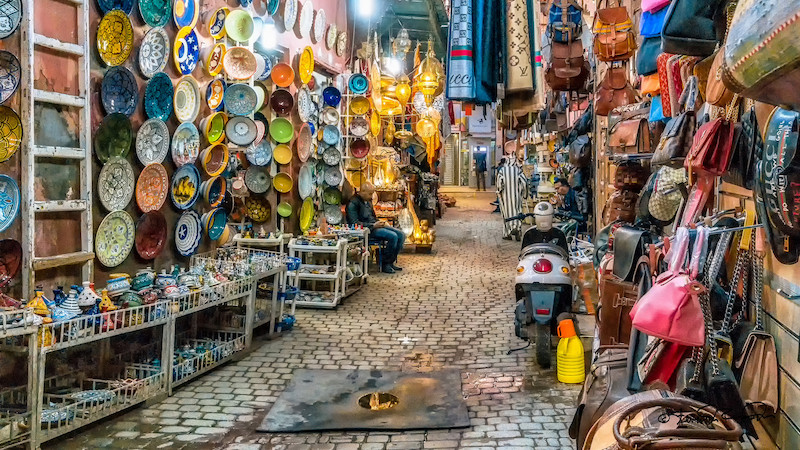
<point x="212" y="296"/>
<point x="319" y="256"/>
<point x="307" y="272"/>
<point x="226" y="346"/>
<point x="16" y="322"/>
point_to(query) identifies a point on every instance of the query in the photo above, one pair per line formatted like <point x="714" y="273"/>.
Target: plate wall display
<point x="305" y="181"/>
<point x="320" y="22"/>
<point x="10" y="133"/>
<point x="151" y="235"/>
<point x="214" y="59"/>
<point x="115" y="184"/>
<point x="152" y="187"/>
<point x="216" y="25"/>
<point x="341" y="43"/>
<point x="155" y="12"/>
<point x="239" y="63"/>
<point x="186" y="51"/>
<point x="10" y="17"/>
<point x="152" y="142"/>
<point x="240" y="130"/>
<point x="306" y="18"/>
<point x="113" y="137"/>
<point x="261" y="154"/>
<point x="119" y="91"/>
<point x="114" y="239"/>
<point x="10" y="72"/>
<point x="241" y="99"/>
<point x="158" y="97"/>
<point x="115" y="38"/>
<point x="185" y="144"/>
<point x="258" y="208"/>
<point x="305" y="65"/>
<point x="125" y="6"/>
<point x="257" y="179"/>
<point x="187" y="99"/>
<point x="185" y="13"/>
<point x="215" y="94"/>
<point x="154" y="52"/>
<point x="239" y="25"/>
<point x="289" y="14"/>
<point x="331" y="36"/>
<point x="185" y="187"/>
<point x="9" y="201"/>
<point x="188" y="233"/>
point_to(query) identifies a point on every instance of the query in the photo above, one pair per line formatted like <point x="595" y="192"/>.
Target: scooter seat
<point x="544" y="248"/>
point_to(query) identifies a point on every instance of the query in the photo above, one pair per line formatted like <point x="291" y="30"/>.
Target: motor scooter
<point x="543" y="285"/>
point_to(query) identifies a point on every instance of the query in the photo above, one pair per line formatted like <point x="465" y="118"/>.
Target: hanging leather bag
<point x="568" y="69"/>
<point x="614" y="38"/>
<point x="716" y="92"/>
<point x="629" y="137"/>
<point x="565" y="21"/>
<point x="690" y="27"/>
<point x="631" y="176"/>
<point x="617" y="297"/>
<point x="580" y="151"/>
<point x="676" y="140"/>
<point x="621" y="205"/>
<point x="647" y="56"/>
<point x="747" y="144"/>
<point x="711" y="149"/>
<point x="615" y="90"/>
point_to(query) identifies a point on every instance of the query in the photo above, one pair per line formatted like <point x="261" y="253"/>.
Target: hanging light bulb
<point x="402" y="41"/>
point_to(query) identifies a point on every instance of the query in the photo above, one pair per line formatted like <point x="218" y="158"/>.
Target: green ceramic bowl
<point x="281" y="130"/>
<point x="332" y="196"/>
<point x="284" y="209"/>
<point x="239" y="25"/>
<point x="113" y="137"/>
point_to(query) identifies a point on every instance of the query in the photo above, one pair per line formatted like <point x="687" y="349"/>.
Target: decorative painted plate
<point x="114" y="239"/>
<point x="9" y="201"/>
<point x="320" y="21"/>
<point x="289" y="14"/>
<point x="185" y="13"/>
<point x="260" y="154"/>
<point x="186" y="51"/>
<point x="282" y="182"/>
<point x="185" y="186"/>
<point x="154" y="52"/>
<point x="10" y="72"/>
<point x="359" y="126"/>
<point x="331" y="134"/>
<point x="187" y="99"/>
<point x="341" y="43"/>
<point x="155" y="12"/>
<point x="272" y="7"/>
<point x="119" y="92"/>
<point x="241" y="130"/>
<point x="152" y="187"/>
<point x="115" y="184"/>
<point x="266" y="68"/>
<point x="216" y="25"/>
<point x="215" y="94"/>
<point x="10" y="17"/>
<point x="257" y="179"/>
<point x="113" y="137"/>
<point x="151" y="235"/>
<point x="158" y="97"/>
<point x="332" y="196"/>
<point x="115" y="38"/>
<point x="331" y="156"/>
<point x="213" y="127"/>
<point x="330" y="116"/>
<point x="10" y="133"/>
<point x="185" y="144"/>
<point x="188" y="233"/>
<point x="358" y="84"/>
<point x="239" y="63"/>
<point x="333" y="214"/>
<point x="216" y="55"/>
<point x="333" y="176"/>
<point x="305" y="65"/>
<point x="305" y="181"/>
<point x="304" y="143"/>
<point x="306" y="214"/>
<point x="239" y="25"/>
<point x="152" y="141"/>
<point x="125" y="6"/>
<point x="258" y="208"/>
<point x="330" y="37"/>
<point x="240" y="99"/>
<point x="306" y="18"/>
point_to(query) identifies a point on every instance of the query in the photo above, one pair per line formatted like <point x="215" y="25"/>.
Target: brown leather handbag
<point x="631" y="176"/>
<point x="615" y="90"/>
<point x="716" y="92"/>
<point x="568" y="69"/>
<point x="614" y="38"/>
<point x="628" y="137"/>
<point x="617" y="298"/>
<point x="621" y="205"/>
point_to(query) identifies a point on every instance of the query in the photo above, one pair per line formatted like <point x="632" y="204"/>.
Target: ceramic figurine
<point x="67" y="308"/>
<point x="38" y="303"/>
<point x="45" y="336"/>
<point x="59" y="296"/>
<point x="117" y="285"/>
<point x="106" y="304"/>
<point x="87" y="297"/>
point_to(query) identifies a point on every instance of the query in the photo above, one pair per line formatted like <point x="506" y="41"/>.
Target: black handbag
<point x="647" y="56"/>
<point x="693" y="27"/>
<point x="689" y="377"/>
<point x="747" y="144"/>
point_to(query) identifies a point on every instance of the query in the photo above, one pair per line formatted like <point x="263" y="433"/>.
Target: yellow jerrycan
<point x="569" y="355"/>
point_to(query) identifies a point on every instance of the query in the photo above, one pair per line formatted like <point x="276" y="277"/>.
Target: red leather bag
<point x="670" y="310"/>
<point x="711" y="149"/>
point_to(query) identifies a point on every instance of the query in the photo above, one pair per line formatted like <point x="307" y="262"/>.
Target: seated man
<point x="567" y="201"/>
<point x="360" y="212"/>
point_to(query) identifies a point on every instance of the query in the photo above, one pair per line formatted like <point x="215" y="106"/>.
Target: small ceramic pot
<point x="165" y="280"/>
<point x="88" y="297"/>
<point x="117" y="286"/>
<point x="143" y="279"/>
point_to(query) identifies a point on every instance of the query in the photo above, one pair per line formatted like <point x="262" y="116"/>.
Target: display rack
<point x="334" y="256"/>
<point x="358" y="266"/>
<point x="16" y="327"/>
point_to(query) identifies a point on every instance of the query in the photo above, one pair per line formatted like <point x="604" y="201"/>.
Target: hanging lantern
<point x="403" y="91"/>
<point x="402" y="42"/>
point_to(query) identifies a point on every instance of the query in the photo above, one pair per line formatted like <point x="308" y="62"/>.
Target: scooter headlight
<point x="543" y="266"/>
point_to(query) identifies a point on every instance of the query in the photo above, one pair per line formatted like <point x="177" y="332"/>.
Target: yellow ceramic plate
<point x="216" y="25"/>
<point x="282" y="154"/>
<point x="306" y="214"/>
<point x="10" y="133"/>
<point x="305" y="65"/>
<point x="214" y="127"/>
<point x="115" y="38"/>
<point x="282" y="182"/>
<point x="359" y="105"/>
<point x="356" y="179"/>
<point x="375" y="124"/>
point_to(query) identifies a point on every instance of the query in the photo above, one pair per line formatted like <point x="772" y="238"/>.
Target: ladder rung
<point x="58" y="98"/>
<point x="67" y="259"/>
<point x="61" y="206"/>
<point x="55" y="44"/>
<point x="59" y="152"/>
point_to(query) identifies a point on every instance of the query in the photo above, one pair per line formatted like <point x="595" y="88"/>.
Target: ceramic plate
<point x="151" y="235"/>
<point x="213" y="127"/>
<point x="185" y="144"/>
<point x="330" y="37"/>
<point x="10" y="133"/>
<point x="187" y="99"/>
<point x="282" y="154"/>
<point x="305" y="104"/>
<point x="258" y="208"/>
<point x="239" y="25"/>
<point x="331" y="156"/>
<point x="215" y="159"/>
<point x="185" y="13"/>
<point x="358" y="84"/>
<point x="359" y="148"/>
<point x="154" y="52"/>
<point x="257" y="179"/>
<point x="10" y="17"/>
<point x="9" y="201"/>
<point x="282" y="75"/>
<point x="158" y="97"/>
<point x="331" y="96"/>
<point x="305" y="65"/>
<point x="331" y="135"/>
<point x="267" y="70"/>
<point x="239" y="63"/>
<point x="359" y="105"/>
<point x="341" y="43"/>
<point x="125" y="6"/>
<point x="214" y="223"/>
<point x="282" y="182"/>
<point x="155" y="12"/>
<point x="281" y="102"/>
<point x="115" y="38"/>
<point x="330" y="116"/>
<point x="261" y="121"/>
<point x="306" y="214"/>
<point x="305" y="181"/>
<point x="356" y="179"/>
<point x="261" y="154"/>
<point x="214" y="190"/>
<point x="215" y="94"/>
<point x="306" y="18"/>
<point x="115" y="184"/>
<point x="332" y="196"/>
<point x="119" y="92"/>
<point x="304" y="142"/>
<point x="284" y="209"/>
<point x="320" y="22"/>
<point x="333" y="214"/>
<point x="185" y="187"/>
<point x="281" y="130"/>
<point x="214" y="58"/>
<point x="241" y="130"/>
<point x="152" y="187"/>
<point x="10" y="72"/>
<point x="240" y="99"/>
<point x="113" y="137"/>
<point x="333" y="176"/>
<point x="216" y="25"/>
<point x="289" y="14"/>
<point x="114" y="239"/>
<point x="261" y="94"/>
<point x="272" y="7"/>
<point x="359" y="127"/>
<point x="188" y="233"/>
<point x="186" y="51"/>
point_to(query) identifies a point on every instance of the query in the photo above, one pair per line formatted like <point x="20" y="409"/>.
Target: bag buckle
<point x="724" y="346"/>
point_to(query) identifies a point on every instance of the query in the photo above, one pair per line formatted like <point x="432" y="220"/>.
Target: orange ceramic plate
<point x="282" y="75"/>
<point x="152" y="187"/>
<point x="305" y="65"/>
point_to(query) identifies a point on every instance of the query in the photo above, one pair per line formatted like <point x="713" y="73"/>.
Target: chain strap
<point x="714" y="264"/>
<point x="758" y="286"/>
<point x="738" y="270"/>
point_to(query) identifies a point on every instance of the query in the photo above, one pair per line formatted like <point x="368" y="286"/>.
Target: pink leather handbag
<point x="670" y="310"/>
<point x="654" y="5"/>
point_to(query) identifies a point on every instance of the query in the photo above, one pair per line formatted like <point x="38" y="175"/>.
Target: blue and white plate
<point x="10" y="72"/>
<point x="186" y="50"/>
<point x="185" y="13"/>
<point x="259" y="154"/>
<point x="215" y="94"/>
<point x="152" y="141"/>
<point x="10" y="17"/>
<point x="241" y="99"/>
<point x="9" y="201"/>
<point x="119" y="91"/>
<point x="185" y="188"/>
<point x="358" y="84"/>
<point x="154" y="52"/>
<point x="125" y="6"/>
<point x="158" y="97"/>
<point x="185" y="144"/>
<point x="188" y="233"/>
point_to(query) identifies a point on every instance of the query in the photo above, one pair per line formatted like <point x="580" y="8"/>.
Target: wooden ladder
<point x="32" y="45"/>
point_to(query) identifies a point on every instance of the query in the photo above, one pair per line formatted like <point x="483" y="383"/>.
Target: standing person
<point x="361" y="212"/>
<point x="480" y="170"/>
<point x="511" y="188"/>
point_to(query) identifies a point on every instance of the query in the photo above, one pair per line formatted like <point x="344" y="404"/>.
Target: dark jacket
<point x="360" y="212"/>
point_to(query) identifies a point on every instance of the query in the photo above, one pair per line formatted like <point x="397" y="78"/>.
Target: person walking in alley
<point x="511" y="188"/>
<point x="361" y="212"/>
<point x="480" y="170"/>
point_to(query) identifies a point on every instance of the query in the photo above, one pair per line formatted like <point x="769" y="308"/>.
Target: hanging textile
<point x="536" y="56"/>
<point x="518" y="46"/>
<point x="488" y="26"/>
<point x="460" y="70"/>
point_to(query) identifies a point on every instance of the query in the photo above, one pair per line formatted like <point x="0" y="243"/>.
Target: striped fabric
<point x="460" y="70"/>
<point x="511" y="187"/>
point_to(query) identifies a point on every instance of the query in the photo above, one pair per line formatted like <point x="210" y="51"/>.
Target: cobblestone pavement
<point x="451" y="309"/>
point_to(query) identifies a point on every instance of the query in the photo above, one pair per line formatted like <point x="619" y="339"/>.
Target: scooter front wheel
<point x="543" y="354"/>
